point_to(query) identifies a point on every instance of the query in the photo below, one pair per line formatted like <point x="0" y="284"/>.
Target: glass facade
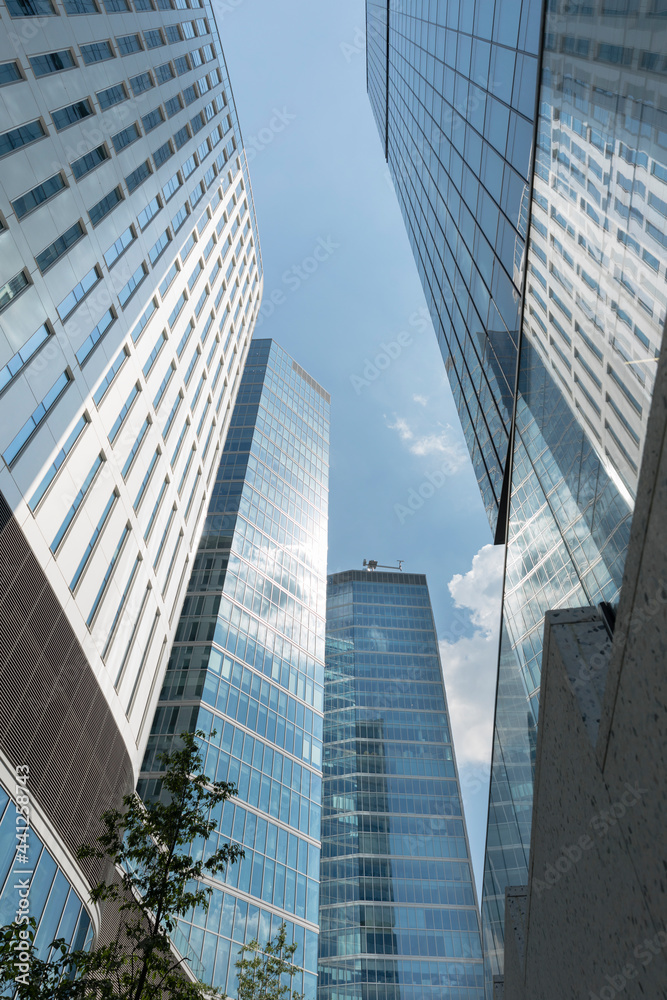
<point x="593" y="320"/>
<point x="452" y="87"/>
<point x="398" y="915"/>
<point x="248" y="662"/>
<point x="52" y="901"/>
<point x="540" y="210"/>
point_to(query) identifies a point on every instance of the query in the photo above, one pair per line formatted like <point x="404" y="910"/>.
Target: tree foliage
<point x="267" y="972"/>
<point x="148" y="845"/>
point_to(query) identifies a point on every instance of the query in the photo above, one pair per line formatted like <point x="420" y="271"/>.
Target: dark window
<point x="105" y="205"/>
<point x="122" y="139"/>
<point x="89" y="161"/>
<point x="59" y="247"/>
<point x="30" y="8"/>
<point x="127" y="44"/>
<point x="96" y="52"/>
<point x="152" y="119"/>
<point x="38" y="195"/>
<point x="138" y="176"/>
<point x="111" y="96"/>
<point x="52" y="62"/>
<point x="74" y="113"/>
<point x="9" y="73"/>
<point x="141" y="83"/>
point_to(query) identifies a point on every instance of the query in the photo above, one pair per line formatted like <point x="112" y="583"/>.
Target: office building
<point x="398" y="913"/>
<point x="528" y="153"/>
<point x="248" y="663"/>
<point x="130" y="278"/>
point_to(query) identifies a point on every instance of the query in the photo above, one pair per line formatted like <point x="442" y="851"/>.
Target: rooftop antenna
<point x="372" y="564"/>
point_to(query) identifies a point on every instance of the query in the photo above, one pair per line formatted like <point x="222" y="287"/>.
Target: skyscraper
<point x="248" y="662"/>
<point x="535" y="204"/>
<point x="130" y="279"/>
<point x="398" y="914"/>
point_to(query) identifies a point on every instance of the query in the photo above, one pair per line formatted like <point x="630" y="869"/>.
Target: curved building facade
<point x="130" y="278"/>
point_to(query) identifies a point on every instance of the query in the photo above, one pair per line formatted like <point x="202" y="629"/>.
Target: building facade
<point x="130" y="280"/>
<point x="398" y="913"/>
<point x="248" y="663"/>
<point x="528" y="151"/>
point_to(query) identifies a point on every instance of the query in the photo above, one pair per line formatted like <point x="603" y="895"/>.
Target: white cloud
<point x="422" y="400"/>
<point x="470" y="662"/>
<point x="441" y="442"/>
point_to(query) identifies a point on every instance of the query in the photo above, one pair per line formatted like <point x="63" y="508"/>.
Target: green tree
<point x="268" y="971"/>
<point x="148" y="844"/>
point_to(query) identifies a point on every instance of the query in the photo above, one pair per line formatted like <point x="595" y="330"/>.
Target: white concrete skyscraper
<point x="130" y="279"/>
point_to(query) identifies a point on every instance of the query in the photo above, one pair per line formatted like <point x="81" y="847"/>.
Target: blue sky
<point x="342" y="295"/>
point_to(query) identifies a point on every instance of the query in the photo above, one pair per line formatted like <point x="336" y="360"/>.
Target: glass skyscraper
<point x="529" y="152"/>
<point x="248" y="662"/>
<point x="398" y="914"/>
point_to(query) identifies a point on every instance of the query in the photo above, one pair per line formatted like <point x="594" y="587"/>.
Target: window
<point x="135" y="448"/>
<point x="116" y="6"/>
<point x="18" y="362"/>
<point x="209" y="176"/>
<point x="97" y="52"/>
<point x="187" y="247"/>
<point x="177" y="310"/>
<point x="188" y="29"/>
<point x="124" y="535"/>
<point x="173" y="106"/>
<point x="27" y="202"/>
<point x="196" y="123"/>
<point x="111" y="96"/>
<point x="164" y="72"/>
<point x="59" y="247"/>
<point x="189" y="167"/>
<point x="9" y="73"/>
<point x="125" y="138"/>
<point x="190" y="94"/>
<point x="30" y="8"/>
<point x="162" y="154"/>
<point x="145" y="481"/>
<point x="143" y="5"/>
<point x="159" y="247"/>
<point x="202" y="26"/>
<point x="153" y="356"/>
<point x="194" y="277"/>
<point x="78" y="293"/>
<point x="105" y="206"/>
<point x="171" y="187"/>
<point x="182" y="65"/>
<point x="52" y="62"/>
<point x="172" y="33"/>
<point x="143" y="321"/>
<point x="138" y="176"/>
<point x="128" y="290"/>
<point x="120" y="419"/>
<point x="101" y="390"/>
<point x="71" y="114"/>
<point x="180" y="218"/>
<point x="197" y="194"/>
<point x="153" y="38"/>
<point x="80" y="7"/>
<point x="181" y="137"/>
<point x="203" y="151"/>
<point x="140" y="84"/>
<point x="149" y="213"/>
<point x="183" y="342"/>
<point x="76" y="503"/>
<point x="94" y="337"/>
<point x="118" y="248"/>
<point x="37" y="417"/>
<point x="127" y="44"/>
<point x="164" y="384"/>
<point x="89" y="161"/>
<point x="21" y="136"/>
<point x="50" y="474"/>
<point x="12" y="288"/>
<point x="91" y="544"/>
<point x="168" y="278"/>
<point x="152" y="119"/>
